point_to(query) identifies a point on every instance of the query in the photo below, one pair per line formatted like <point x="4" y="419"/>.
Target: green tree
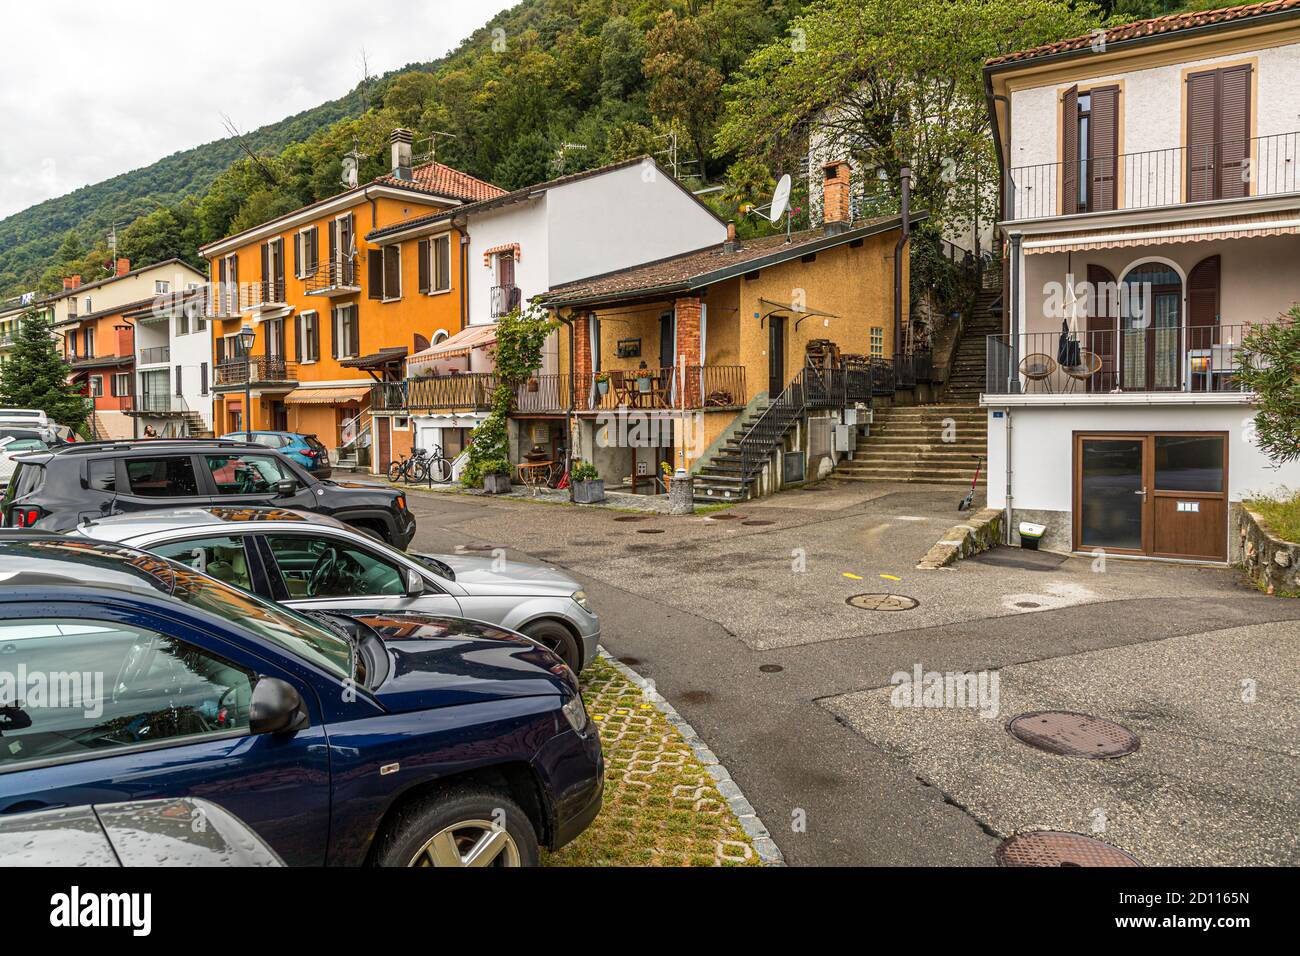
<point x="685" y="87"/>
<point x="888" y="81"/>
<point x="1272" y="371"/>
<point x="35" y="376"/>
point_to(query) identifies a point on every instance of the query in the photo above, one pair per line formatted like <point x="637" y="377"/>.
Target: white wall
<point x="1042" y="441"/>
<point x="522" y="222"/>
<point x="190" y="351"/>
<point x="1151" y="104"/>
<point x="626" y="217"/>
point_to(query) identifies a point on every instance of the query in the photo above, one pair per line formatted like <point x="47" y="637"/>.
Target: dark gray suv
<point x="58" y="489"/>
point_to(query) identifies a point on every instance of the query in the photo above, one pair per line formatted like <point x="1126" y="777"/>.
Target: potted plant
<point x="644" y="380"/>
<point x="588" y="488"/>
<point x="602" y="383"/>
<point x="666" y="470"/>
<point x="496" y="476"/>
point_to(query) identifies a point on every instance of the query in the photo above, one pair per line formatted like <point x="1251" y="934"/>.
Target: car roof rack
<point x="127" y="444"/>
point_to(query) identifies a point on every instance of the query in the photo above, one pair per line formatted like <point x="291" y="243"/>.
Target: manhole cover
<point x="633" y="518"/>
<point x="1073" y="735"/>
<point x="1027" y="604"/>
<point x="484" y="547"/>
<point x="756" y="523"/>
<point x="882" y="602"/>
<point x="771" y="668"/>
<point x="649" y="530"/>
<point x="1054" y="848"/>
<point x="725" y="517"/>
<point x="630" y="661"/>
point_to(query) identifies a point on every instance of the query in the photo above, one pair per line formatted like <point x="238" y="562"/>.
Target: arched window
<point x="1151" y="322"/>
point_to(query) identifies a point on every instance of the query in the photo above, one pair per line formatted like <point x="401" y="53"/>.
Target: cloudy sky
<point x="89" y="90"/>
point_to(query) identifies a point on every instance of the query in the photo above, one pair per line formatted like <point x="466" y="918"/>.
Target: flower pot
<point x="589" y="492"/>
<point x="532" y="384"/>
<point x="602" y="388"/>
<point x="496" y="484"/>
<point x="643" y="384"/>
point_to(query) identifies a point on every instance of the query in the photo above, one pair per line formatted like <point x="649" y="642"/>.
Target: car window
<point x="91" y="687"/>
<point x="161" y="477"/>
<point x="25" y="444"/>
<point x="222" y="557"/>
<point x="101" y="474"/>
<point x="270" y="441"/>
<point x="328" y="567"/>
<point x="247" y="474"/>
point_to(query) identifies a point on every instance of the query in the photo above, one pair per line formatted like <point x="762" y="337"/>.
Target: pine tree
<point x="36" y="376"/>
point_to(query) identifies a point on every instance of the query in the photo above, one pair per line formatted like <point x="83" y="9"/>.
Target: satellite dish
<point x="780" y="199"/>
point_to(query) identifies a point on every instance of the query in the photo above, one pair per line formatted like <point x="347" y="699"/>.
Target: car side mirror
<point x="286" y="487"/>
<point x="414" y="583"/>
<point x="276" y="708"/>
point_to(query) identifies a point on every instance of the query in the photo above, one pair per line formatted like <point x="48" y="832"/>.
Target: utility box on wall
<point x="842" y="439"/>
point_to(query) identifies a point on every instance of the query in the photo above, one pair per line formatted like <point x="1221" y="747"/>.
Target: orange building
<point x="331" y="312"/>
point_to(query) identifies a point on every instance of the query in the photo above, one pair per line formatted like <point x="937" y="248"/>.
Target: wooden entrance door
<point x="775" y="355"/>
<point x="1163" y="494"/>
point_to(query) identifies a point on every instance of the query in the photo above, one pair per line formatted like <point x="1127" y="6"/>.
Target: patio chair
<point x="1089" y="365"/>
<point x="1039" y="367"/>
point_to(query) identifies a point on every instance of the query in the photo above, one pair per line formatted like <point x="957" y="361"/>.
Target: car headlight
<point x="580" y="599"/>
<point x="575" y="713"/>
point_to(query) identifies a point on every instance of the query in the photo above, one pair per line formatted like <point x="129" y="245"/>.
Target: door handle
<point x="1143" y="492"/>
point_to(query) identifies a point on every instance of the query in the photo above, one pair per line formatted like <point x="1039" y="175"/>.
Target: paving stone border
<point x="983" y="531"/>
<point x="745" y="813"/>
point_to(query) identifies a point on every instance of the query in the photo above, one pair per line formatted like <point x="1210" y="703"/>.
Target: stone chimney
<point x="123" y="266"/>
<point x="731" y="245"/>
<point x="71" y="282"/>
<point x="835" y="197"/>
<point x="402" y="140"/>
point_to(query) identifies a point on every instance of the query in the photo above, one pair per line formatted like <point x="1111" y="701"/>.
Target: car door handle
<point x="29" y="806"/>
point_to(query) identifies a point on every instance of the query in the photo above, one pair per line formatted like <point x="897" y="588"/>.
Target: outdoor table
<point x="534" y="474"/>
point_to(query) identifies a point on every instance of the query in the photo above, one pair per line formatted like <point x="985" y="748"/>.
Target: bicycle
<point x="421" y="465"/>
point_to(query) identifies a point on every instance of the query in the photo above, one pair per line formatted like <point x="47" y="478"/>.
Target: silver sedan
<point x="312" y="562"/>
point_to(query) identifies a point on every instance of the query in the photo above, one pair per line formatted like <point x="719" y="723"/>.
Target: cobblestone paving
<point x="662" y="807"/>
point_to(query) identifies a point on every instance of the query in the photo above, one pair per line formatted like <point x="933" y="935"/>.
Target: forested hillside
<point x="610" y="78"/>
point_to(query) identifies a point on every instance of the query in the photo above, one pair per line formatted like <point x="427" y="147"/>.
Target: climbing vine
<point x="520" y="338"/>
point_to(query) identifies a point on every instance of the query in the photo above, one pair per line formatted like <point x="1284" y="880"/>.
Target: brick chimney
<point x="71" y="282"/>
<point x="731" y="245"/>
<point x="123" y="266"/>
<point x="402" y="140"/>
<point x="835" y="197"/>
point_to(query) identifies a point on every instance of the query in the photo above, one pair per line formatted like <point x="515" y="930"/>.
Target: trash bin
<point x="1031" y="534"/>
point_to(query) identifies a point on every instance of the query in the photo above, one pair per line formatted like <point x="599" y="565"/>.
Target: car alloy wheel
<point x="469" y="843"/>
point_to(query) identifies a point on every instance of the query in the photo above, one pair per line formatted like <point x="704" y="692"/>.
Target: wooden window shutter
<point x="334" y="240"/>
<point x="221" y="350"/>
<point x="279" y="270"/>
<point x="375" y="267"/>
<point x="1202" y="129"/>
<point x="313" y="244"/>
<point x="297" y="254"/>
<point x="422" y="254"/>
<point x="1103" y="332"/>
<point x="1234" y="132"/>
<point x="444" y="263"/>
<point x="266" y="264"/>
<point x="1203" y="304"/>
<point x="334" y="333"/>
<point x="299" y="328"/>
<point x="1103" y="148"/>
<point x="1070" y="151"/>
<point x="392" y="272"/>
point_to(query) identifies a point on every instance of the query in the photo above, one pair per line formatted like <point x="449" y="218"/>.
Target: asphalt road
<point x="746" y="630"/>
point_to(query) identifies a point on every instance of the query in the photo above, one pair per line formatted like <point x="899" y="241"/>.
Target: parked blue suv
<point x="386" y="739"/>
<point x="306" y="450"/>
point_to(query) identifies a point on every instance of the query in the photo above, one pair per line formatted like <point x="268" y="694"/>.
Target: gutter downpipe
<point x="1006" y="450"/>
<point x="905" y="200"/>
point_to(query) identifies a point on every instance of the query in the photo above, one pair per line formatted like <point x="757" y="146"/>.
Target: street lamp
<point x="247" y="339"/>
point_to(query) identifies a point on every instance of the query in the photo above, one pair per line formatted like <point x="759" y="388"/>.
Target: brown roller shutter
<point x="422" y="253"/>
<point x="1103" y="334"/>
<point x="1070" y="152"/>
<point x="1234" y="132"/>
<point x="1103" y="148"/>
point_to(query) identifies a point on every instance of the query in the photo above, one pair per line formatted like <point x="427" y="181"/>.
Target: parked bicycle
<point x="421" y="465"/>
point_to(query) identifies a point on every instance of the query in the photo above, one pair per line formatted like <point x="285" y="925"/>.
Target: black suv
<point x="57" y="489"/>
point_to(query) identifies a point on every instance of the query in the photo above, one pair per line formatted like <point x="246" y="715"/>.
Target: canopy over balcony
<point x="462" y="343"/>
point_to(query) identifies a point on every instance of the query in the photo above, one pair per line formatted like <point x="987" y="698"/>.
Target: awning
<point x="462" y="343"/>
<point x="1192" y="230"/>
<point x="327" y="396"/>
<point x="376" y="360"/>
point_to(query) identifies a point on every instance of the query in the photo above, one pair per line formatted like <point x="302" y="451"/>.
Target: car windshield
<point x="42" y="562"/>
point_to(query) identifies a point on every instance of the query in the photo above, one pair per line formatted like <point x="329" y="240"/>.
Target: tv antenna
<point x="559" y="155"/>
<point x="432" y="139"/>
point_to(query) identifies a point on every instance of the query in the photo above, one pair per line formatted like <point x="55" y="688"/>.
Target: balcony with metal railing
<point x="1198" y="359"/>
<point x="258" y="369"/>
<point x="261" y="295"/>
<point x="504" y="299"/>
<point x="333" y="278"/>
<point x="1262" y="166"/>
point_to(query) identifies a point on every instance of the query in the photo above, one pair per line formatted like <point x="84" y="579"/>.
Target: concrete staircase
<point x="196" y="427"/>
<point x="938" y="444"/>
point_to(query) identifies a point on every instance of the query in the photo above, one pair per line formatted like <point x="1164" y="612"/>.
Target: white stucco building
<point x="173" y="365"/>
<point x="1151" y="214"/>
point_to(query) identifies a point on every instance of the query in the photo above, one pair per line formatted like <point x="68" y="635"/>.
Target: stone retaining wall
<point x="983" y="531"/>
<point x="1269" y="562"/>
